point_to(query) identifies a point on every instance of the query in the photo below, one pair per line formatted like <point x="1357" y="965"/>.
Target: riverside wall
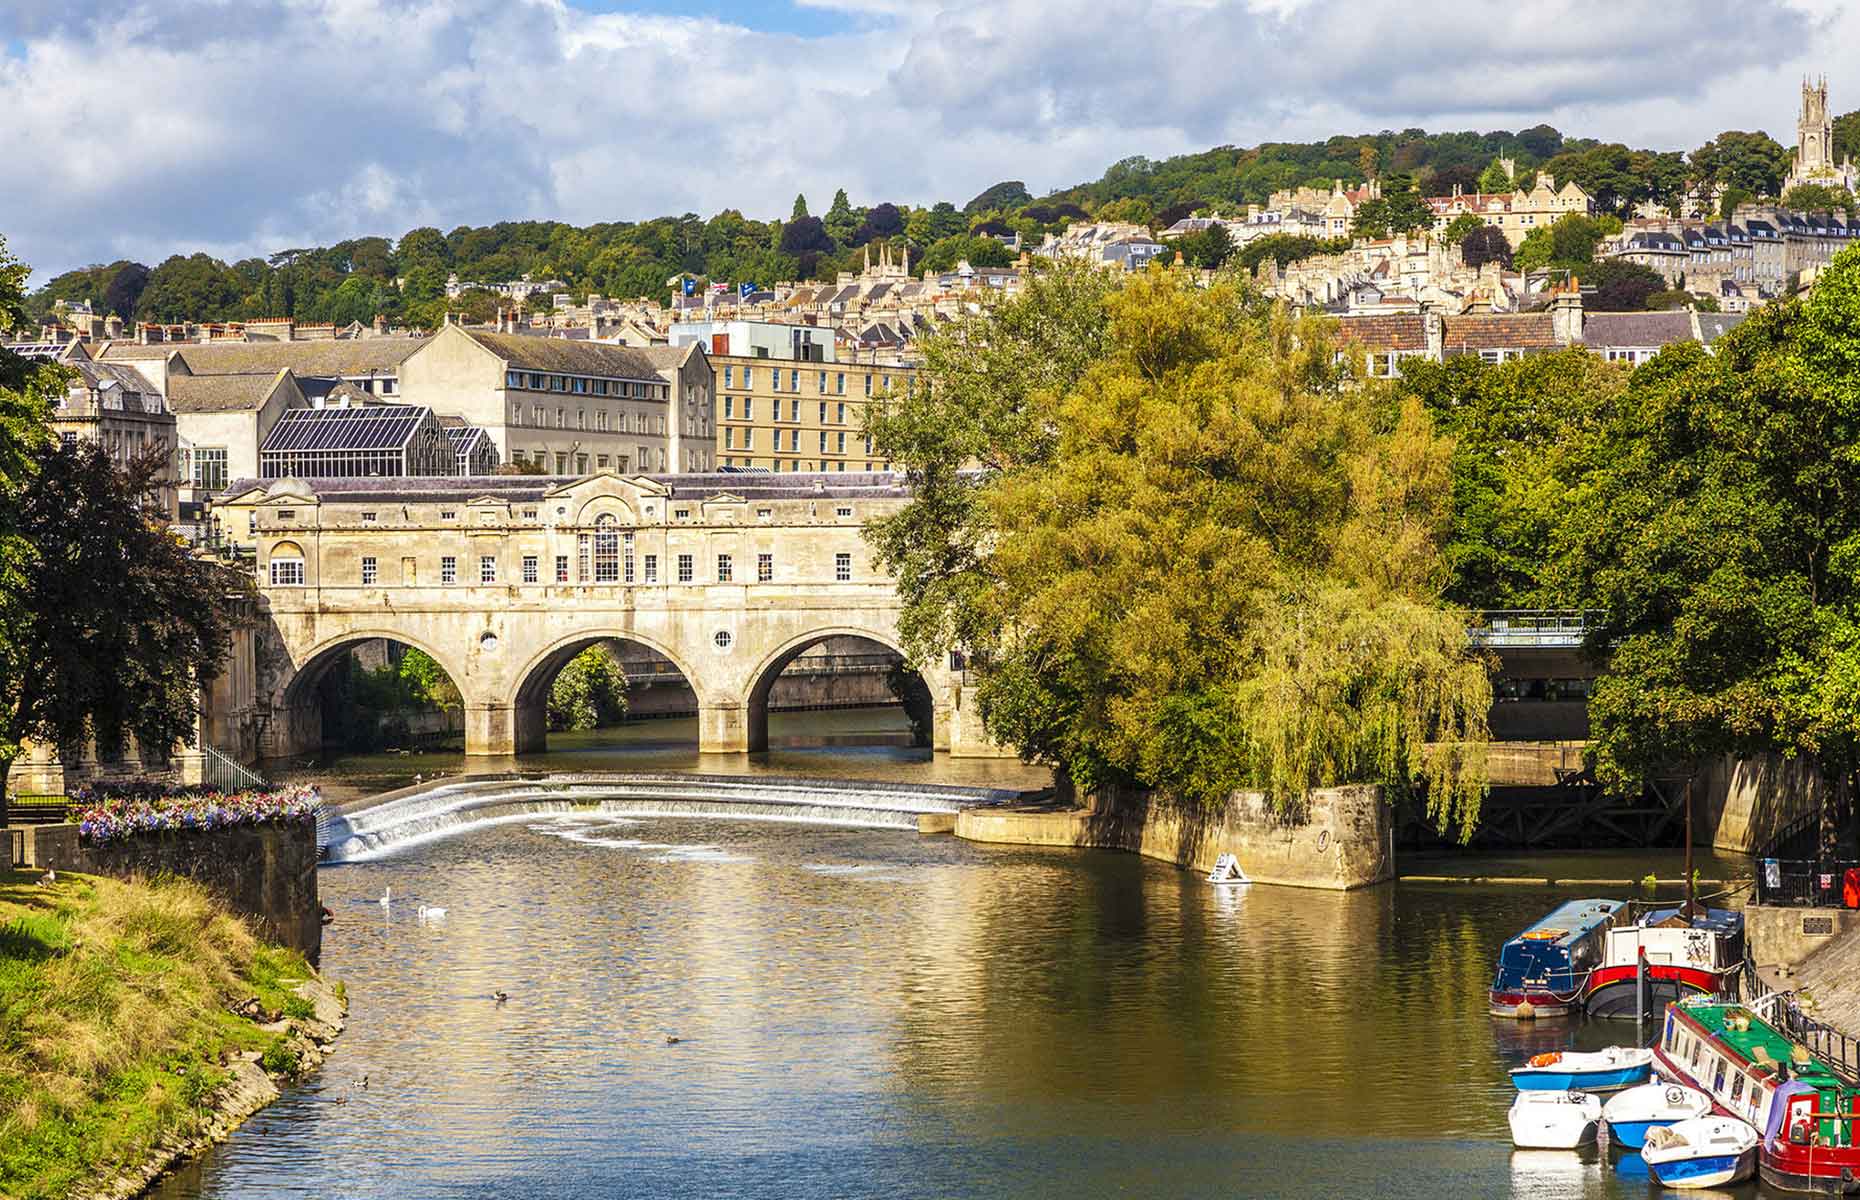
<point x="264" y="873"/>
<point x="1741" y="803"/>
<point x="1344" y="839"/>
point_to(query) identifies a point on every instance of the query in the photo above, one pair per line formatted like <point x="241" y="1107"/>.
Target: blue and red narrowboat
<point x="1545" y="970"/>
<point x="1688" y="951"/>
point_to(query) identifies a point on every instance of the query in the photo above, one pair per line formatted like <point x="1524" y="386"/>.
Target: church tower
<point x="1814" y="131"/>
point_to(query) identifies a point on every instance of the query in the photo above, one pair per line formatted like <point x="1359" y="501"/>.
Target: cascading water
<point x="374" y="827"/>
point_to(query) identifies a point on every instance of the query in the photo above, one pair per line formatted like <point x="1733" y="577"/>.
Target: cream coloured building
<point x="788" y="415"/>
<point x="1514" y="214"/>
<point x="570" y="407"/>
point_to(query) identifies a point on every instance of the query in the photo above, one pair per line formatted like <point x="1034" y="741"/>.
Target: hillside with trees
<point x="405" y="278"/>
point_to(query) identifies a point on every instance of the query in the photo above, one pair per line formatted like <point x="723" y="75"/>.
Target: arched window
<point x="606" y="549"/>
<point x="287" y="565"/>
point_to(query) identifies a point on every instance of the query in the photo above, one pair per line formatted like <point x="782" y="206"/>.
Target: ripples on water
<point x="873" y="1013"/>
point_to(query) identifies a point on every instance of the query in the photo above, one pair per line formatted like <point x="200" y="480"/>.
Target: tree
<point x="1008" y="194"/>
<point x="1716" y="539"/>
<point x="1535" y="252"/>
<point x="1847" y="136"/>
<point x="1573" y="238"/>
<point x="1210" y="247"/>
<point x="1483" y="245"/>
<point x="1285" y="249"/>
<point x="1462" y="227"/>
<point x="1819" y="197"/>
<point x="1495" y="179"/>
<point x="196" y="288"/>
<point x="589" y="692"/>
<point x="124" y="290"/>
<point x="116" y="622"/>
<point x="841" y="222"/>
<point x="1621" y="286"/>
<point x="1133" y="210"/>
<point x="1755" y="162"/>
<point x="1520" y="430"/>
<point x="800" y="207"/>
<point x="1200" y="558"/>
<point x="1396" y="211"/>
<point x="1366" y="159"/>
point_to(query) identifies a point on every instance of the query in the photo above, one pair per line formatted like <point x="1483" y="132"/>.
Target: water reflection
<point x="862" y="1012"/>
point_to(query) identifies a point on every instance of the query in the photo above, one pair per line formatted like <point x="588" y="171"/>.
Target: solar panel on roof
<point x="387" y="427"/>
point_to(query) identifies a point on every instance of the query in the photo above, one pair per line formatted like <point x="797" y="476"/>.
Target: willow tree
<point x="1199" y="553"/>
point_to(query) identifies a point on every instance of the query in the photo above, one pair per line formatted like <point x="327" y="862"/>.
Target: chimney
<point x="1433" y="331"/>
<point x="1566" y="314"/>
<point x="380" y="324"/>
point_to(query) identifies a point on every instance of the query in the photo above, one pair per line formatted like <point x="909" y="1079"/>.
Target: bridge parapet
<point x="1531" y="628"/>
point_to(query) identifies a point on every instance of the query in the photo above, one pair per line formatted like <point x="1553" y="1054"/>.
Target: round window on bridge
<point x="723" y="639"/>
<point x="487" y="641"/>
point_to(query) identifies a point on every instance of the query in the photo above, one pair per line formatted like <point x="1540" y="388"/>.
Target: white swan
<point x="431" y="914"/>
<point x="387" y="897"/>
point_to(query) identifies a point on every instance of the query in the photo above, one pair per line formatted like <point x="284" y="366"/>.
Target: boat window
<point x="1697" y="1044"/>
<point x="1669" y="1031"/>
<point x="1717" y="1083"/>
<point x="1737" y="1088"/>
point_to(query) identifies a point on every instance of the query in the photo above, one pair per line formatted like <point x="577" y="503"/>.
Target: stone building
<point x="115" y="407"/>
<point x="1517" y="213"/>
<point x="1814" y="144"/>
<point x="570" y="407"/>
<point x="787" y="415"/>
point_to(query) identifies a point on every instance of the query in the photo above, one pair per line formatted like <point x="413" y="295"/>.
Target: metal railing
<point x="1840" y="1050"/>
<point x="1535" y="627"/>
<point x="222" y="773"/>
<point x="1804" y="882"/>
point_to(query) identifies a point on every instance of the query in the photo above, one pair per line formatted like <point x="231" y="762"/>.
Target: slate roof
<point x="578" y="358"/>
<point x="365" y="356"/>
<point x="1715" y="325"/>
<point x="1400" y="331"/>
<point x="1500" y="331"/>
<point x="1635" y="330"/>
<point x="219" y="393"/>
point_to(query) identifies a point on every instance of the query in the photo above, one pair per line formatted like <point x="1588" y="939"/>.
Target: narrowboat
<point x="1805" y="1112"/>
<point x="1544" y="971"/>
<point x="1568" y="1071"/>
<point x="1689" y="951"/>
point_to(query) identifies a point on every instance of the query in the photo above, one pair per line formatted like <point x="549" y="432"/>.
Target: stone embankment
<point x="1827" y="983"/>
<point x="1344" y="838"/>
<point x="253" y="1079"/>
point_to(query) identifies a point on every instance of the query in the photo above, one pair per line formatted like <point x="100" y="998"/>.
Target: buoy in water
<point x="1526" y="1011"/>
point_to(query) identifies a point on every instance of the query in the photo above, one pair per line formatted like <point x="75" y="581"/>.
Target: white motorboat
<point x="1543" y="1120"/>
<point x="1704" y="1152"/>
<point x="1631" y="1114"/>
<point x="1605" y="1070"/>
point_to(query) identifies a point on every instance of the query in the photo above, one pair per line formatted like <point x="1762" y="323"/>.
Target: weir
<point x="369" y="828"/>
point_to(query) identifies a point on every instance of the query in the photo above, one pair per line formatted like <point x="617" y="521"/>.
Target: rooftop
<point x="850" y="485"/>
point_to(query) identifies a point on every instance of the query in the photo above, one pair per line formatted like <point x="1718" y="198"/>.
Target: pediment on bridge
<point x="632" y="497"/>
<point x="278" y="492"/>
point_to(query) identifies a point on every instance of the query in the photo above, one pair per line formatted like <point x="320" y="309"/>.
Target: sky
<point x="137" y="129"/>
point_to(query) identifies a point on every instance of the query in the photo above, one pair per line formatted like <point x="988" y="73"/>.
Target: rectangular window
<point x="822" y="387"/>
<point x="765" y="568"/>
<point x="561" y="463"/>
<point x="652" y="568"/>
<point x="287" y="572"/>
<point x="823" y="441"/>
<point x="794" y="380"/>
<point x="794" y="440"/>
<point x="684" y="568"/>
<point x="729" y="408"/>
<point x="626" y="557"/>
<point x="370" y="571"/>
<point x="581" y="387"/>
<point x="794" y="410"/>
<point x="601" y="461"/>
<point x="210" y="468"/>
<point x="729" y="380"/>
<point x="749" y="377"/>
<point x="487" y="568"/>
<point x="844" y="510"/>
<point x="581" y="558"/>
<point x="723" y="568"/>
<point x="368" y="518"/>
<point x="868" y="385"/>
<point x="823" y="412"/>
<point x="530" y="574"/>
<point x="749" y="439"/>
<point x="581" y="464"/>
<point x="840" y="417"/>
<point x="749" y="408"/>
<point x="775" y="380"/>
<point x="839" y="443"/>
<point x="448" y="569"/>
<point x="561" y="568"/>
<point x="448" y="514"/>
<point x="536" y="416"/>
<point x="839" y="382"/>
<point x="842" y="566"/>
<point x="729" y="437"/>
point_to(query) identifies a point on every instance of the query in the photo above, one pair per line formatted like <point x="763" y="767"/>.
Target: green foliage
<point x="800" y="207"/>
<point x="1718" y="536"/>
<point x="1618" y="178"/>
<point x="1462" y="227"/>
<point x="841" y="222"/>
<point x="1494" y="179"/>
<point x="1200" y="556"/>
<point x="1396" y="211"/>
<point x="1008" y="194"/>
<point x="280" y="1057"/>
<point x="1210" y="247"/>
<point x="1286" y="248"/>
<point x="1483" y="245"/>
<point x="1847" y="136"/>
<point x="1752" y="162"/>
<point x="1621" y="286"/>
<point x="111" y="622"/>
<point x="589" y="692"/>
<point x="1819" y="197"/>
<point x="1520" y="430"/>
<point x="1536" y="252"/>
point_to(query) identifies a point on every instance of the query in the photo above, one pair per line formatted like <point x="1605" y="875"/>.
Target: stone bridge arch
<point x="756" y="683"/>
<point x="529" y="689"/>
<point x="291" y="670"/>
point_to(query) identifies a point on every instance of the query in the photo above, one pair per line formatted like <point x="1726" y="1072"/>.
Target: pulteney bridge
<point x="504" y="579"/>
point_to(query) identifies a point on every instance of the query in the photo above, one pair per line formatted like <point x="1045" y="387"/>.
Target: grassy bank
<point x="116" y="1022"/>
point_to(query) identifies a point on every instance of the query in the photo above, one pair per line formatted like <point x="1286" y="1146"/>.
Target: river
<point x="877" y="1013"/>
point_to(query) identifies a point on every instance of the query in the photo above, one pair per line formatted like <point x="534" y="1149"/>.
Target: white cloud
<point x="243" y="127"/>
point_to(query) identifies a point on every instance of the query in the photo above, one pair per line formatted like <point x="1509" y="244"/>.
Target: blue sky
<point x="238" y="127"/>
